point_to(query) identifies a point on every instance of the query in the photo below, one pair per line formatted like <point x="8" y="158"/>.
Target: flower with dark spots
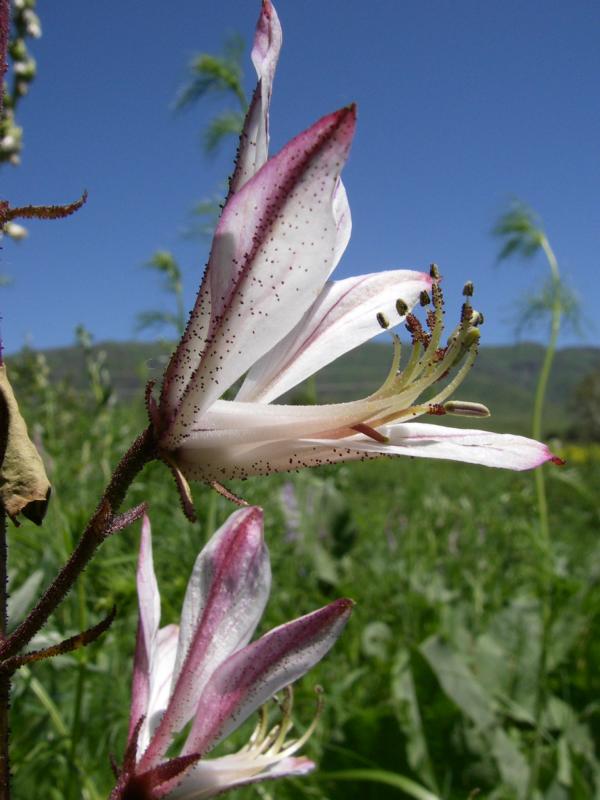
<point x="268" y="310"/>
<point x="203" y="673"/>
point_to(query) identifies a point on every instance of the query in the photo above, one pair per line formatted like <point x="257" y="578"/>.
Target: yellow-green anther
<point x="401" y="308"/>
<point x="465" y="342"/>
<point x="434" y="272"/>
<point x="424" y="298"/>
<point x="476" y="318"/>
<point x="462" y="408"/>
<point x="468" y="289"/>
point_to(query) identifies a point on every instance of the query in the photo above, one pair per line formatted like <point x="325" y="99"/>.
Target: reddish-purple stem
<point x="99" y="527"/>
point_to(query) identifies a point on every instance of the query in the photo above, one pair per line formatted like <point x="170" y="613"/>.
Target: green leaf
<point x="458" y="682"/>
<point x="409" y="717"/>
<point x="521" y="230"/>
<point x="394" y="779"/>
<point x="215" y="74"/>
<point x="227" y="123"/>
<point x="21" y="600"/>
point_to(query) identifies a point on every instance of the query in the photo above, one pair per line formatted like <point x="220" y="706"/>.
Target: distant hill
<point x="503" y="378"/>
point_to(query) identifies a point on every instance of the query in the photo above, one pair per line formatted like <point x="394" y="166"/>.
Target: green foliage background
<point x="429" y="692"/>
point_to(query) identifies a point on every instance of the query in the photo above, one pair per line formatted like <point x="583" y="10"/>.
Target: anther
<point x="383" y="320"/>
<point x="424" y="298"/>
<point x="462" y="408"/>
<point x="468" y="289"/>
<point x="477" y="318"/>
<point x="434" y="272"/>
<point x="401" y="308"/>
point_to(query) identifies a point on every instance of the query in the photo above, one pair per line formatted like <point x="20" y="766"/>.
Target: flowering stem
<point x="544" y="527"/>
<point x="542" y="385"/>
<point x="98" y="529"/>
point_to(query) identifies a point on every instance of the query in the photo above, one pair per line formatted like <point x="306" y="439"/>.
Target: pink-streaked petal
<point x="343" y="317"/>
<point x="212" y="777"/>
<point x="148" y="622"/>
<point x="503" y="450"/>
<point x="254" y="140"/>
<point x="237" y="543"/>
<point x="225" y="599"/>
<point x="420" y="440"/>
<point x="273" y="250"/>
<point x="253" y="675"/>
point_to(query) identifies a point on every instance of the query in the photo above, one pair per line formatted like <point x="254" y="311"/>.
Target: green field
<point x="437" y="678"/>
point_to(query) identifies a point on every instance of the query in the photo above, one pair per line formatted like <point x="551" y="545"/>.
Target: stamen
<point x="462" y="408"/>
<point x="370" y="432"/>
<point x="436" y="410"/>
<point x="393" y="373"/>
<point x="414" y="327"/>
<point x="401" y="308"/>
<point x="424" y="298"/>
<point x="297" y="744"/>
<point x="468" y="289"/>
<point x="434" y="272"/>
<point x="383" y="320"/>
<point x="260" y="730"/>
<point x="428" y="363"/>
<point x="286" y="721"/>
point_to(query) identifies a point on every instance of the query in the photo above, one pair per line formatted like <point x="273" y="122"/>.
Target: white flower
<point x="204" y="671"/>
<point x="267" y="309"/>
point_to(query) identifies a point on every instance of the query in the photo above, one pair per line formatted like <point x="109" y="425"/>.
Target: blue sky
<point x="462" y="106"/>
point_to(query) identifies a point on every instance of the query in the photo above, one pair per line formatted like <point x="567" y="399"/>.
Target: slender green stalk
<point x="544" y="527"/>
<point x="540" y="392"/>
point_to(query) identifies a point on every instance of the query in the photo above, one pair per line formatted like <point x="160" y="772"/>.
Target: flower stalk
<point x="98" y="529"/>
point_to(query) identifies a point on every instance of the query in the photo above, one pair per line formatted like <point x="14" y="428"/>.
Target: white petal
<point x="343" y="317"/>
<point x="230" y="423"/>
<point x="343" y="222"/>
<point x="225" y="599"/>
<point x="489" y="449"/>
<point x="163" y="662"/>
<point x="254" y="141"/>
<point x="213" y="776"/>
<point x="148" y="622"/>
<point x="416" y="439"/>
<point x="274" y="249"/>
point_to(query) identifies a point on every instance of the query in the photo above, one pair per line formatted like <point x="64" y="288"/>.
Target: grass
<point x="429" y="691"/>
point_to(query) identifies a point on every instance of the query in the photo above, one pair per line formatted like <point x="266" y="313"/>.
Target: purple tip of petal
<point x="547" y="455"/>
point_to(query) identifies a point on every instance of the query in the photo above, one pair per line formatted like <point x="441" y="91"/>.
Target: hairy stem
<point x="140" y="453"/>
